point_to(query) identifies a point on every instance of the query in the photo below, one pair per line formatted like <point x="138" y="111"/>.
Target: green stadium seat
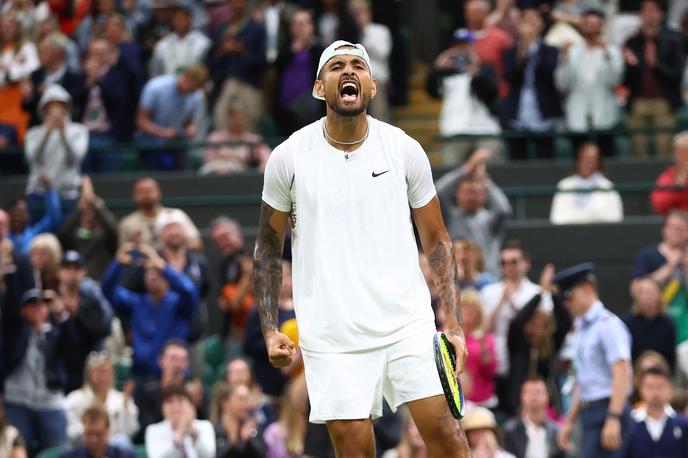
<point x="53" y="452"/>
<point x="140" y="451"/>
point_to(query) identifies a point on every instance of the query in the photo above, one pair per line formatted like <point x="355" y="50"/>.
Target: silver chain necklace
<point x="327" y="135"/>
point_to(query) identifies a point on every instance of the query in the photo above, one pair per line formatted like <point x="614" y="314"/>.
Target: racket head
<point x="445" y="360"/>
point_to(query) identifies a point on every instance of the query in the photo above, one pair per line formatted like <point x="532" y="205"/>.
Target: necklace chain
<point x="362" y="139"/>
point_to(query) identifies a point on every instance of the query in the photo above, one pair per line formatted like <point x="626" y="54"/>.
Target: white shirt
<point x="20" y="64"/>
<point x="123" y="420"/>
<point x="357" y="281"/>
<point x="655" y="426"/>
<point x="173" y="53"/>
<point x="492" y="298"/>
<point x="537" y="440"/>
<point x="586" y="207"/>
<point x="378" y="42"/>
<point x="472" y="118"/>
<point x="160" y="441"/>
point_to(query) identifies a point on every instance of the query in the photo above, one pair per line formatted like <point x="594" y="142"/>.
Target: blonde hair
<point x="19" y="38"/>
<point x="471" y="298"/>
<point x="93" y="360"/>
<point x="50" y="244"/>
<point x="293" y="416"/>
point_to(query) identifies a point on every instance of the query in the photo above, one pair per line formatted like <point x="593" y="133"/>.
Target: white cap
<point x="54" y="93"/>
<point x="169" y="216"/>
<point x="333" y="50"/>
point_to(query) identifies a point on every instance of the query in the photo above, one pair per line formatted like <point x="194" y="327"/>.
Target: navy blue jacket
<point x="72" y="82"/>
<point x="548" y="97"/>
<point x="672" y="444"/>
<point x="669" y="68"/>
<point x="112" y="452"/>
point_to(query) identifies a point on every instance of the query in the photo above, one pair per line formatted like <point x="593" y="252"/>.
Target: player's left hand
<point x="458" y="341"/>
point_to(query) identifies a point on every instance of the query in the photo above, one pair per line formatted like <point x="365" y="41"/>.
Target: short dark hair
<point x="659" y="371"/>
<point x="173" y="343"/>
<point x="174" y="390"/>
<point x="660" y="4"/>
<point x="94" y="414"/>
<point x="515" y="244"/>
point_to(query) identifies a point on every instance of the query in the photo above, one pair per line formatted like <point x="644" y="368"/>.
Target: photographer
<point x="468" y="89"/>
<point x="162" y="313"/>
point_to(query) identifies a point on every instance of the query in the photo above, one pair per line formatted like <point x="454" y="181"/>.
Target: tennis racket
<point x="445" y="359"/>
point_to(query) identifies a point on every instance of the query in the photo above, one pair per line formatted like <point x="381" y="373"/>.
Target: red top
<point x="490" y="46"/>
<point x="665" y="200"/>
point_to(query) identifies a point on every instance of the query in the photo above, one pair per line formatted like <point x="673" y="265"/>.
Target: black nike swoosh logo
<point x="375" y="175"/>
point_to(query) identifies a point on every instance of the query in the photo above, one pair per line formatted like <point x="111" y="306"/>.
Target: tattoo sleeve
<point x="446" y="275"/>
<point x="267" y="269"/>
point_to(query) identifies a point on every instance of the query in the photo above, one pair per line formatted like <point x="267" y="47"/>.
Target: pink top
<point x="481" y="367"/>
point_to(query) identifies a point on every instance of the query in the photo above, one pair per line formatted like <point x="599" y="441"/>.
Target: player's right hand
<point x="280" y="349"/>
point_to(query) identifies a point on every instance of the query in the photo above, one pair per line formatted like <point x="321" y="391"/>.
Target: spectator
<point x="81" y="299"/>
<point x="45" y="256"/>
<point x="285" y="437"/>
<point x="238" y="299"/>
<point x="18" y="59"/>
<point x="11" y="442"/>
<point x="69" y="14"/>
<point x="236" y="62"/>
<point x="470" y="261"/>
<point x="157" y="26"/>
<point x="666" y="264"/>
<point x="236" y="429"/>
<point x="54" y="69"/>
<point x="377" y="40"/>
<point x="501" y="303"/>
<point x="461" y="79"/>
<point x="94" y="23"/>
<point x="48" y="26"/>
<point x="532" y="105"/>
<point x="108" y="105"/>
<point x="180" y="49"/>
<point x="587" y="196"/>
<point x="491" y="42"/>
<point x="648" y="323"/>
<point x="658" y="429"/>
<point x="482" y="360"/>
<point x="234" y="148"/>
<point x="334" y="22"/>
<point x="654" y="68"/>
<point x="96" y="426"/>
<point x="163" y="312"/>
<point x="532" y="434"/>
<point x="480" y="209"/>
<point x="588" y="74"/>
<point x="174" y="366"/>
<point x="22" y="232"/>
<point x="271" y="379"/>
<point x="534" y="341"/>
<point x="664" y="200"/>
<point x="117" y="33"/>
<point x="275" y="16"/>
<point x="139" y="226"/>
<point x="34" y="345"/>
<point x="99" y="390"/>
<point x="180" y="433"/>
<point x="91" y="230"/>
<point x="28" y="13"/>
<point x="294" y="106"/>
<point x="648" y="359"/>
<point x="482" y="434"/>
<point x="167" y="109"/>
<point x="56" y="149"/>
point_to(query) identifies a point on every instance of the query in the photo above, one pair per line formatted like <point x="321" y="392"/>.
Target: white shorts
<point x="350" y="386"/>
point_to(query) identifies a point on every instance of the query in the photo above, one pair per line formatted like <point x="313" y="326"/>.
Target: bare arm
<point x="146" y="124"/>
<point x="621" y="381"/>
<point x="267" y="275"/>
<point x="438" y="247"/>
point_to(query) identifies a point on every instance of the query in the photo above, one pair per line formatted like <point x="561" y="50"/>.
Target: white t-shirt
<point x="356" y="278"/>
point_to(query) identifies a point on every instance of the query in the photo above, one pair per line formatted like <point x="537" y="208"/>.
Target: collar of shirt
<point x="640" y="414"/>
<point x="56" y="76"/>
<point x="591" y="315"/>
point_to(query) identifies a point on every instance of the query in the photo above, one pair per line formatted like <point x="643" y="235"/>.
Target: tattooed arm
<point x="437" y="246"/>
<point x="267" y="275"/>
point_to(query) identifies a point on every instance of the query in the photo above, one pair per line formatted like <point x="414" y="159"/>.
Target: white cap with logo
<point x="334" y="50"/>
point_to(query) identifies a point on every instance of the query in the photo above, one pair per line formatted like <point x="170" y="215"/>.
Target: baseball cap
<point x="334" y="50"/>
<point x="464" y="35"/>
<point x="72" y="257"/>
<point x="32" y="296"/>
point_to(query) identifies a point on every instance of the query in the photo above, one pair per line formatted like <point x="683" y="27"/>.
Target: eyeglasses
<point x="509" y="262"/>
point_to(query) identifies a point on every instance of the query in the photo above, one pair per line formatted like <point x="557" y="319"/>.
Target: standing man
<point x="602" y="364"/>
<point x="362" y="307"/>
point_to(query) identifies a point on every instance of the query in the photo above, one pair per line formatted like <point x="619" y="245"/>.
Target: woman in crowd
<point x="11" y="442"/>
<point x="45" y="256"/>
<point x="646" y="360"/>
<point x="650" y="326"/>
<point x="469" y="259"/>
<point x="285" y="437"/>
<point x="236" y="428"/>
<point x="587" y="196"/>
<point x="100" y="389"/>
<point x="94" y="24"/>
<point x="18" y="58"/>
<point x="482" y="361"/>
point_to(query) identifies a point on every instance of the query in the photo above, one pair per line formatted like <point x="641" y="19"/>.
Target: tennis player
<point x="349" y="185"/>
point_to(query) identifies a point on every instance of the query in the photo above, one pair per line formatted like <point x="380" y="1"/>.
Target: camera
<point x="461" y="62"/>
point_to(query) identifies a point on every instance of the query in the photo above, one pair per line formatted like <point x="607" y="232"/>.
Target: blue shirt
<point x="529" y="114"/>
<point x="49" y="222"/>
<point x="167" y="106"/>
<point x="153" y="323"/>
<point x="601" y="340"/>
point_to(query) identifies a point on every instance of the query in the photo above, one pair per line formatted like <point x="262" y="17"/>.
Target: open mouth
<point x="348" y="91"/>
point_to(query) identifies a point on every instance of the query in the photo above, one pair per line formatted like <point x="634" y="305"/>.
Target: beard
<point x="361" y="106"/>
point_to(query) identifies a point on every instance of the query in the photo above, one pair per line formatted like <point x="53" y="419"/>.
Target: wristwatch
<point x="614" y="415"/>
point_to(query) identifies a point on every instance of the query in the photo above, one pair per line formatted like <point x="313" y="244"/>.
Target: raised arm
<point x="437" y="246"/>
<point x="267" y="276"/>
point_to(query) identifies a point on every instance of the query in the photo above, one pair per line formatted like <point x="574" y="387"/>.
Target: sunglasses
<point x="509" y="262"/>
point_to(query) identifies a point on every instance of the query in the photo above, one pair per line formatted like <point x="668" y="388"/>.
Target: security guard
<point x="602" y="364"/>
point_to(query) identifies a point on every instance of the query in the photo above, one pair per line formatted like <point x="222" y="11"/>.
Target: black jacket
<point x="669" y="68"/>
<point x="484" y="85"/>
<point x="516" y="438"/>
<point x="72" y="82"/>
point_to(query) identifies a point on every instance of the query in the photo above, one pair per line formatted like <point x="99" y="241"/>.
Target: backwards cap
<point x="334" y="50"/>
